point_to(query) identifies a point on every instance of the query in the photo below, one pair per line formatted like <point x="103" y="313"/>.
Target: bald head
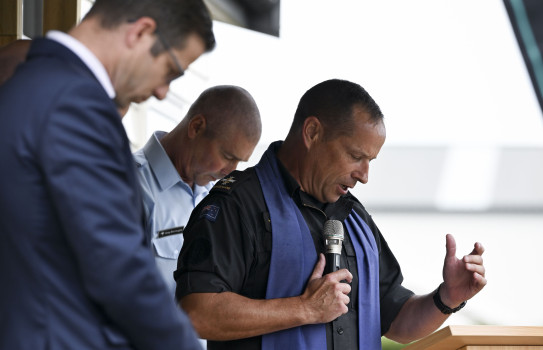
<point x="228" y="108"/>
<point x="221" y="129"/>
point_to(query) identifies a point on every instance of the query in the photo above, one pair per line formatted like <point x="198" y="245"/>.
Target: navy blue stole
<point x="294" y="257"/>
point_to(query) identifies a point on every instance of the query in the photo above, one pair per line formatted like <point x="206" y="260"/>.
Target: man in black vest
<point x="250" y="274"/>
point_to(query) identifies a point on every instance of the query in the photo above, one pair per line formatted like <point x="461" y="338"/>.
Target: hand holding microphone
<point x="326" y="294"/>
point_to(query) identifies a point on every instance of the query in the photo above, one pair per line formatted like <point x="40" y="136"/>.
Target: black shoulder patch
<point x="229" y="182"/>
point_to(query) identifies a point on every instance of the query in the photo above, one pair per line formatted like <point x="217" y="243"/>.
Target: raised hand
<point x="463" y="278"/>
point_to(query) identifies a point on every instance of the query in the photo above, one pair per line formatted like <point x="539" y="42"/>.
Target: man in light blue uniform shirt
<point x="177" y="169"/>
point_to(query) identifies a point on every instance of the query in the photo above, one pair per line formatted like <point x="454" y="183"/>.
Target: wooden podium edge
<point x="454" y="337"/>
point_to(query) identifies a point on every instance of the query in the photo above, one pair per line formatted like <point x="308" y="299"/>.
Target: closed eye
<point x="356" y="157"/>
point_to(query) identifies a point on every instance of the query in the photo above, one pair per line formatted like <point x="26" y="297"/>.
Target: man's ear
<point x="141" y="29"/>
<point x="197" y="126"/>
<point x="311" y="131"/>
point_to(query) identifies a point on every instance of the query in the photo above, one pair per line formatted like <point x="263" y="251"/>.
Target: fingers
<point x="337" y="276"/>
<point x="337" y="298"/>
<point x="341" y="275"/>
<point x="326" y="297"/>
<point x="478" y="249"/>
<point x="480" y="280"/>
<point x="474" y="261"/>
<point x="463" y="277"/>
<point x="450" y="245"/>
<point x="344" y="298"/>
<point x="334" y="279"/>
<point x="477" y="268"/>
<point x="319" y="268"/>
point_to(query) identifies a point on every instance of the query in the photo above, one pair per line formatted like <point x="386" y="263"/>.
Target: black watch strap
<point x="444" y="308"/>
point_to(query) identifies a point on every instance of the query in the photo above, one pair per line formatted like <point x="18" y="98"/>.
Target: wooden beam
<point x="11" y="21"/>
<point x="60" y="14"/>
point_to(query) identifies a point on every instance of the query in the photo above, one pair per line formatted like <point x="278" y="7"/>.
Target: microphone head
<point x="333" y="236"/>
<point x="333" y="228"/>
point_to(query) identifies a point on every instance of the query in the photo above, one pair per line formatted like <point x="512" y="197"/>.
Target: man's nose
<point x="161" y="91"/>
<point x="362" y="173"/>
<point x="229" y="168"/>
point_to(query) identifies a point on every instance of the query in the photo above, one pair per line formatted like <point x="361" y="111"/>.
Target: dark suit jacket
<point x="76" y="270"/>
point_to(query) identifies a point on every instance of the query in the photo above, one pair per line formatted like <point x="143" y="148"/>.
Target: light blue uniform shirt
<point x="168" y="202"/>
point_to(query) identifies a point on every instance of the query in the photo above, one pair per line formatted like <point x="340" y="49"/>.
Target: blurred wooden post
<point x="11" y="21"/>
<point x="60" y="14"/>
<point x="57" y="14"/>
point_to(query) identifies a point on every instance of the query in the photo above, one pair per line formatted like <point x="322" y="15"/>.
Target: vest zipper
<point x="312" y="207"/>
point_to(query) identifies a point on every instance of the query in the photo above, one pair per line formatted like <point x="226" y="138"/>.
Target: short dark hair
<point x="227" y="108"/>
<point x="175" y="19"/>
<point x="332" y="102"/>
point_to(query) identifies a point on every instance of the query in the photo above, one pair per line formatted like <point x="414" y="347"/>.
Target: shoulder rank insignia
<point x="227" y="180"/>
<point x="228" y="183"/>
<point x="225" y="183"/>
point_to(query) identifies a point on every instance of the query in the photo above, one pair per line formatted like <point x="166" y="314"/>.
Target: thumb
<point x="319" y="268"/>
<point x="450" y="245"/>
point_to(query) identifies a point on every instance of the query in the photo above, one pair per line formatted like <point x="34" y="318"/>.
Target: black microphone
<point x="333" y="241"/>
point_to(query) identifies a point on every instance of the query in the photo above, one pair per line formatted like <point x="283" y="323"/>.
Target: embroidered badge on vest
<point x="210" y="212"/>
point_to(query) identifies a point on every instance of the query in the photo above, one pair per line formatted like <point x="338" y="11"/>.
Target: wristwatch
<point x="444" y="308"/>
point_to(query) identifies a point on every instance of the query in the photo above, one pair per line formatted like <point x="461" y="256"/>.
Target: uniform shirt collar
<point x="86" y="55"/>
<point x="290" y="183"/>
<point x="161" y="165"/>
<point x="295" y="191"/>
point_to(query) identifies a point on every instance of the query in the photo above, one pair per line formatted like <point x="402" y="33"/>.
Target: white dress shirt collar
<point x="86" y="55"/>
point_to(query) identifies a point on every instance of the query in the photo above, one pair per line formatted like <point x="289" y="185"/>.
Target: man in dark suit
<point x="77" y="270"/>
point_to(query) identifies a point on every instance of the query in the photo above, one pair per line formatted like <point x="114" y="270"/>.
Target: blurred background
<point x="464" y="149"/>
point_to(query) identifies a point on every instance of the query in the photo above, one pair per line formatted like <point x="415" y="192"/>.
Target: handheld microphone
<point x="333" y="242"/>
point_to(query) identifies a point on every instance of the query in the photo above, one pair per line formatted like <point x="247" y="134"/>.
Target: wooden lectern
<point x="482" y="338"/>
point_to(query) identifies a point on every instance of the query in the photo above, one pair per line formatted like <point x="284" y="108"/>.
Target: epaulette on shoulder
<point x="231" y="181"/>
